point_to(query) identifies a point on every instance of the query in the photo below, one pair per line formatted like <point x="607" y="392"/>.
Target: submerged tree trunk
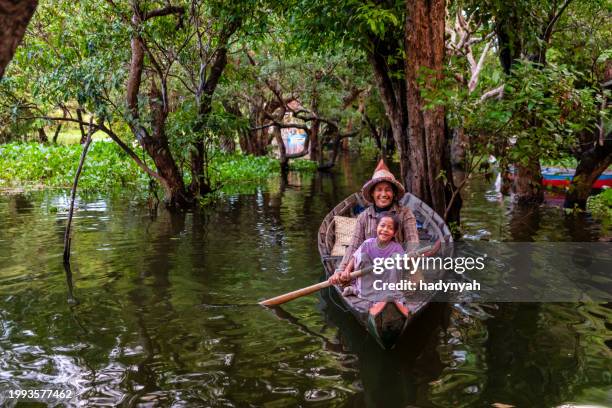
<point x="597" y="156"/>
<point x="14" y="18"/>
<point x="592" y="164"/>
<point x="430" y="173"/>
<point x="315" y="142"/>
<point x="158" y="147"/>
<point x="527" y="187"/>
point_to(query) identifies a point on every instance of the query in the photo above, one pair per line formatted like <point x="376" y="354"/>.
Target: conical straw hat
<point x="382" y="173"/>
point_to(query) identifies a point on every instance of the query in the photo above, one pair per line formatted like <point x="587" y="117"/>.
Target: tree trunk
<point x="374" y="132"/>
<point x="592" y="164"/>
<point x="158" y="148"/>
<point x="315" y="142"/>
<point x="243" y="134"/>
<point x="430" y="175"/>
<point x="14" y="18"/>
<point x="83" y="139"/>
<point x="337" y="140"/>
<point x="228" y="143"/>
<point x="42" y="135"/>
<point x="528" y="183"/>
<point x="509" y="41"/>
<point x="593" y="160"/>
<point x="389" y="145"/>
<point x="155" y="144"/>
<point x="458" y="146"/>
<point x="393" y="96"/>
<point x="257" y="140"/>
<point x="199" y="182"/>
<point x="58" y="129"/>
<point x="282" y="151"/>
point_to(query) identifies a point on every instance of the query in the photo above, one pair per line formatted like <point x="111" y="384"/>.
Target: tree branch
<point x="282" y="126"/>
<point x="178" y="10"/>
<point x="553" y="21"/>
<point x="67" y="239"/>
<point x="498" y="92"/>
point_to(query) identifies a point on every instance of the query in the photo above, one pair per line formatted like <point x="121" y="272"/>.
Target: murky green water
<point x="167" y="312"/>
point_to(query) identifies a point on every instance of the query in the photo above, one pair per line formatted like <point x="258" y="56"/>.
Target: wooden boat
<point x="385" y="320"/>
<point x="562" y="177"/>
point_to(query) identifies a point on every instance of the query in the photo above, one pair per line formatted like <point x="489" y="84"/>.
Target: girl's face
<point x="385" y="230"/>
<point x="382" y="194"/>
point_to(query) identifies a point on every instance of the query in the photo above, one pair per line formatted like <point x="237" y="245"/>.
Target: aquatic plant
<point x="32" y="165"/>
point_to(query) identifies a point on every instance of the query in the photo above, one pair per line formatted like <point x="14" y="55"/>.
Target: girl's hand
<point x="345" y="276"/>
<point x="335" y="278"/>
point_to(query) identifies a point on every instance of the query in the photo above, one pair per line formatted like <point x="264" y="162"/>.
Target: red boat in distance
<point x="562" y="177"/>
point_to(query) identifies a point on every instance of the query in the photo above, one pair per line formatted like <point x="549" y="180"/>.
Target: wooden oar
<point x="279" y="300"/>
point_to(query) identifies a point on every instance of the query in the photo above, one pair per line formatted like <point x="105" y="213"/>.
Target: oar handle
<point x="278" y="300"/>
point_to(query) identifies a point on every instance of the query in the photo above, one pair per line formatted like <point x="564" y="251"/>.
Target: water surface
<point x="167" y="313"/>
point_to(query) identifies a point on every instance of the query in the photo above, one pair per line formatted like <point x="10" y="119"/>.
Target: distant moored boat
<point x="562" y="177"/>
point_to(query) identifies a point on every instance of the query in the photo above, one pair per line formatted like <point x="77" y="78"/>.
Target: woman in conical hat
<point x="383" y="192"/>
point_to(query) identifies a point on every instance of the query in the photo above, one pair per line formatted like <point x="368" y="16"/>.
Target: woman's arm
<point x="409" y="226"/>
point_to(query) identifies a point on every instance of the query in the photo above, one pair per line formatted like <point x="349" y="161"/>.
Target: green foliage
<point x="540" y="114"/>
<point x="545" y="111"/>
<point x="583" y="39"/>
<point x="367" y="148"/>
<point x="566" y="162"/>
<point x="378" y="19"/>
<point x="306" y="166"/>
<point x="320" y="24"/>
<point x="232" y="168"/>
<point x="106" y="166"/>
<point x="600" y="206"/>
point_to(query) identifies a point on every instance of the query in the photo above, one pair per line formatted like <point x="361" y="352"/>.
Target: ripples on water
<point x="167" y="312"/>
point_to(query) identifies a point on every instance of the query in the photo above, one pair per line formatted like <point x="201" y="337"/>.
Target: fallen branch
<point x="497" y="92"/>
<point x="67" y="238"/>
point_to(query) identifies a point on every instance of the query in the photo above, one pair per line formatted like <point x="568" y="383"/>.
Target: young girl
<point x="383" y="246"/>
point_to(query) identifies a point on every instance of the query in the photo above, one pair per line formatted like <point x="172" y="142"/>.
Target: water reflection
<point x="398" y="377"/>
<point x="168" y="314"/>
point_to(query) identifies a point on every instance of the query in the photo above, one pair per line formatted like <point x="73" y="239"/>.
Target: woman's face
<point x="382" y="194"/>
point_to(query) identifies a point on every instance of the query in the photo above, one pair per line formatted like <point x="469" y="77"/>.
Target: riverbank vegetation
<point x="34" y="165"/>
<point x="600" y="206"/>
<point x="172" y="84"/>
